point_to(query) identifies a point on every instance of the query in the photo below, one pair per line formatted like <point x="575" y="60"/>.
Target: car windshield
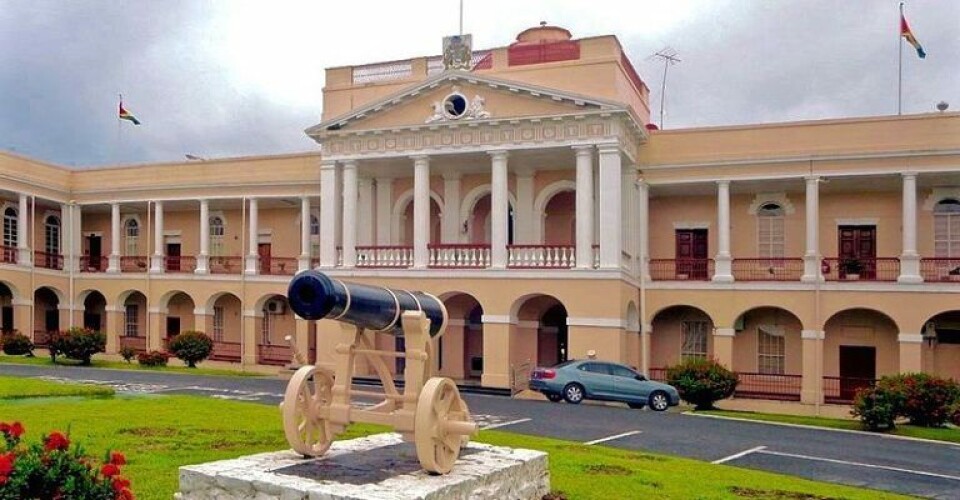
<point x="565" y="363"/>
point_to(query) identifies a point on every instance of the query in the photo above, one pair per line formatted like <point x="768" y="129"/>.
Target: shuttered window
<point x="771" y="350"/>
<point x="946" y="229"/>
<point x="770" y="231"/>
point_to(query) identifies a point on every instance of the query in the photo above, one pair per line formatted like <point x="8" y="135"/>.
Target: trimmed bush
<point x="16" y="344"/>
<point x="79" y="344"/>
<point x="192" y="347"/>
<point x="702" y="382"/>
<point x="153" y="358"/>
<point x="877" y="408"/>
<point x="923" y="399"/>
<point x="128" y="353"/>
<point x="955" y="414"/>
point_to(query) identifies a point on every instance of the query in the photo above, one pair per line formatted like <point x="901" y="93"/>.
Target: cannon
<point x="317" y="404"/>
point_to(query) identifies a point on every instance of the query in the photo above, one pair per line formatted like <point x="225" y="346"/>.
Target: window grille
<point x="693" y="340"/>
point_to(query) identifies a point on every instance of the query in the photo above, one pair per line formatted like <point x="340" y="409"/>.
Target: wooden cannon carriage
<point x="317" y="403"/>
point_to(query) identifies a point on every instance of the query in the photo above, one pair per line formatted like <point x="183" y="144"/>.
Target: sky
<point x="224" y="78"/>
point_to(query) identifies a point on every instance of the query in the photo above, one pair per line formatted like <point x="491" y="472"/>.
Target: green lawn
<point x="160" y="433"/>
<point x="176" y="366"/>
<point x="22" y="388"/>
<point x="938" y="434"/>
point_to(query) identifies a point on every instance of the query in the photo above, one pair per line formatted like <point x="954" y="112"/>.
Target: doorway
<point x="6" y="323"/>
<point x="173" y="257"/>
<point x="691" y="254"/>
<point x="858" y="251"/>
<point x="94" y="252"/>
<point x="51" y="320"/>
<point x="91" y="321"/>
<point x="173" y="326"/>
<point x="858" y="369"/>
<point x="264" y="251"/>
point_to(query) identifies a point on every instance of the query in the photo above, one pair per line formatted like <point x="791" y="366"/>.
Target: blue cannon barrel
<point x="314" y="295"/>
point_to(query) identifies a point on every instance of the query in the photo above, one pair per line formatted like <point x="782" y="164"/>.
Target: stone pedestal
<point x="378" y="467"/>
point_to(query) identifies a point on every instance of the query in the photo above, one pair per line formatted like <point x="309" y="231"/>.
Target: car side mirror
<point x="640" y="377"/>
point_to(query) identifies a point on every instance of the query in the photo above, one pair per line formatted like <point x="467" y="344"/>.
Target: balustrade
<point x="225" y="265"/>
<point x="90" y="264"/>
<point x="878" y="269"/>
<point x="681" y="269"/>
<point x="541" y="256"/>
<point x="134" y="263"/>
<point x="938" y="270"/>
<point x="768" y="269"/>
<point x="179" y="264"/>
<point x="48" y="260"/>
<point x="459" y="256"/>
<point x="8" y="255"/>
<point x="385" y="256"/>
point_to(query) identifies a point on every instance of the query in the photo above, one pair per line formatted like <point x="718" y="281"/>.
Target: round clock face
<point x="455" y="106"/>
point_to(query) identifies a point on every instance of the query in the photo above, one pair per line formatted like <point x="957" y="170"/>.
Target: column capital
<point x="812" y="334"/>
<point x="350" y="164"/>
<point x="909" y="175"/>
<point x="724" y="332"/>
<point x="811" y="178"/>
<point x="328" y="164"/>
<point x="583" y="149"/>
<point x="608" y="148"/>
<point x="452" y="176"/>
<point x="910" y="338"/>
<point x="420" y="159"/>
<point x="498" y="154"/>
<point x="723" y="183"/>
<point x="524" y="172"/>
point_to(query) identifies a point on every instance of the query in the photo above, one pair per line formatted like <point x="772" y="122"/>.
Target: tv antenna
<point x="669" y="57"/>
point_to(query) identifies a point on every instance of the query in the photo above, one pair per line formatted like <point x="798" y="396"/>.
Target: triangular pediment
<point x="481" y="99"/>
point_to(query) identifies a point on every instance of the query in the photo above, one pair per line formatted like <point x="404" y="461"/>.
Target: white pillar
<point x="910" y="259"/>
<point x="113" y="264"/>
<point x="421" y="211"/>
<point x="66" y="239"/>
<point x="499" y="210"/>
<point x="384" y="206"/>
<point x="349" y="238"/>
<point x="723" y="271"/>
<point x="610" y="207"/>
<point x="203" y="259"/>
<point x="584" y="207"/>
<point x="76" y="237"/>
<point x="451" y="228"/>
<point x="365" y="211"/>
<point x="156" y="263"/>
<point x="328" y="214"/>
<point x="644" y="194"/>
<point x="303" y="263"/>
<point x="811" y="257"/>
<point x="24" y="257"/>
<point x="253" y="257"/>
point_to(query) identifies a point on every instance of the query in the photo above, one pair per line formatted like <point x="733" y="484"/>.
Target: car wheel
<point x="636" y="406"/>
<point x="573" y="393"/>
<point x="554" y="398"/>
<point x="659" y="401"/>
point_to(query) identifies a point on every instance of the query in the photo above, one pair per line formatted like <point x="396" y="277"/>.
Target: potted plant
<point x="851" y="268"/>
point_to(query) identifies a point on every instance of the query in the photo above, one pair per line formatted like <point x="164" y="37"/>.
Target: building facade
<point x="528" y="191"/>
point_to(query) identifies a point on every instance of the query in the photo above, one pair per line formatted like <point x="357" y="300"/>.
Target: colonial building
<point x="524" y="186"/>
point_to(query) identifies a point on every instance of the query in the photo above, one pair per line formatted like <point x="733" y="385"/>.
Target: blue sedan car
<point x="574" y="381"/>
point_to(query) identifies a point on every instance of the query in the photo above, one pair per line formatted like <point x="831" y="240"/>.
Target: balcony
<point x="134" y="264"/>
<point x="541" y="256"/>
<point x="90" y="264"/>
<point x="681" y="269"/>
<point x="940" y="270"/>
<point x="179" y="264"/>
<point x="459" y="256"/>
<point x="779" y="269"/>
<point x="8" y="255"/>
<point x="278" y="266"/>
<point x="48" y="260"/>
<point x="385" y="257"/>
<point x="879" y="269"/>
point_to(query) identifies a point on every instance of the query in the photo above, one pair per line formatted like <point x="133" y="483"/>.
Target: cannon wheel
<point x="307" y="392"/>
<point x="439" y="403"/>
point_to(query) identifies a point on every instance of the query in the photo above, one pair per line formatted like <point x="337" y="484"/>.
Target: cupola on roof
<point x="543" y="34"/>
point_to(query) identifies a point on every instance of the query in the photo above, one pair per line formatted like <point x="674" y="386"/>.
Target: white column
<point x="584" y="207"/>
<point x="113" y="264"/>
<point x="76" y="237"/>
<point x="499" y="210"/>
<point x="723" y="272"/>
<point x="910" y="259"/>
<point x="451" y="228"/>
<point x="523" y="212"/>
<point x="253" y="257"/>
<point x="66" y="240"/>
<point x="24" y="257"/>
<point x="644" y="202"/>
<point x="203" y="259"/>
<point x="384" y="207"/>
<point x="610" y="208"/>
<point x="811" y="257"/>
<point x="328" y="214"/>
<point x="421" y="211"/>
<point x="365" y="211"/>
<point x="156" y="263"/>
<point x="303" y="263"/>
<point x="349" y="238"/>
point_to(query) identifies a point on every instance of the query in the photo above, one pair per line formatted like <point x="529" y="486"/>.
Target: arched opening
<point x="179" y="315"/>
<point x="46" y="315"/>
<point x="7" y="323"/>
<point x="10" y="235"/>
<point x="541" y="332"/>
<point x="52" y="235"/>
<point x="859" y="346"/>
<point x="767" y="354"/>
<point x="560" y="219"/>
<point x="223" y="325"/>
<point x="679" y="333"/>
<point x="946" y="228"/>
<point x="216" y="236"/>
<point x="134" y="328"/>
<point x="276" y="322"/>
<point x="479" y="229"/>
<point x="407" y="223"/>
<point x="131" y="238"/>
<point x="770" y="231"/>
<point x="941" y="345"/>
<point x="460" y="350"/>
<point x="95" y="312"/>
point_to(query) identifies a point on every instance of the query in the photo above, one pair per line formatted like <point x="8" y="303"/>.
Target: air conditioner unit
<point x="275" y="307"/>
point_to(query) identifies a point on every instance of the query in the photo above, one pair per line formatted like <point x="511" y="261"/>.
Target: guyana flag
<point x="126" y="115"/>
<point x="908" y="36"/>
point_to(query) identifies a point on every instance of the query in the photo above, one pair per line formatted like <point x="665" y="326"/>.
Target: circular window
<point x="454" y="106"/>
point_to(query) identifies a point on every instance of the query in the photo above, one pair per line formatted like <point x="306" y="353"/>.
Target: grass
<point x="123" y="365"/>
<point x="160" y="433"/>
<point x="951" y="435"/>
<point x="23" y="388"/>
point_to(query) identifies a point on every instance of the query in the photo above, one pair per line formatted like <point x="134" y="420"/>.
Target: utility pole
<point x="669" y="58"/>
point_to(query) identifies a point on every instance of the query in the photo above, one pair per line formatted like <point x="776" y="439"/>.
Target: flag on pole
<point x="126" y="115"/>
<point x="908" y="36"/>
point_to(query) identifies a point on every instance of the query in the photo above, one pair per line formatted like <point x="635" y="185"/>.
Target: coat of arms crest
<point x="457" y="52"/>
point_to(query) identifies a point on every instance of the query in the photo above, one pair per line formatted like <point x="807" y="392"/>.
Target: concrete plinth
<point x="379" y="467"/>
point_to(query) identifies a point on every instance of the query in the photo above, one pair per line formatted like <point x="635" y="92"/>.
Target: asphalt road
<point x="874" y="461"/>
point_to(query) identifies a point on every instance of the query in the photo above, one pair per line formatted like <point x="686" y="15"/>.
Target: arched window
<point x="10" y="227"/>
<point x="52" y="230"/>
<point x="131" y="234"/>
<point x="770" y="232"/>
<point x="216" y="236"/>
<point x="946" y="228"/>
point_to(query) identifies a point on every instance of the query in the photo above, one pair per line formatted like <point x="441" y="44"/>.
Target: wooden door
<point x="691" y="253"/>
<point x="95" y="252"/>
<point x="173" y="257"/>
<point x="858" y="369"/>
<point x="858" y="251"/>
<point x="264" y="250"/>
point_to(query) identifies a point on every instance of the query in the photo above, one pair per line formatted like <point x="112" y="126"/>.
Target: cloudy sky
<point x="218" y="78"/>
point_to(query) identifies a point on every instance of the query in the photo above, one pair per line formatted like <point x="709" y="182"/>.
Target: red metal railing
<point x="93" y="264"/>
<point x="278" y="266"/>
<point x="274" y="354"/>
<point x="138" y="344"/>
<point x="8" y="255"/>
<point x="658" y="374"/>
<point x="225" y="265"/>
<point x="181" y="264"/>
<point x="134" y="264"/>
<point x="48" y="260"/>
<point x="541" y="256"/>
<point x="842" y="390"/>
<point x="226" y="351"/>
<point x="881" y="269"/>
<point x="455" y="256"/>
<point x="768" y="386"/>
<point x="681" y="269"/>
<point x="780" y="269"/>
<point x="397" y="256"/>
<point x="938" y="270"/>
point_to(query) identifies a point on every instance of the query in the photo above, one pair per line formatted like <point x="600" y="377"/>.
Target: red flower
<point x="109" y="470"/>
<point x="56" y="441"/>
<point x="4" y="428"/>
<point x="16" y="430"/>
<point x="117" y="458"/>
<point x="6" y="464"/>
<point x="125" y="494"/>
<point x="120" y="483"/>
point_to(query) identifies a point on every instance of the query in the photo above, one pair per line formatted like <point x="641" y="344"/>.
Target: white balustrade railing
<point x="459" y="256"/>
<point x="382" y="72"/>
<point x="386" y="256"/>
<point x="541" y="256"/>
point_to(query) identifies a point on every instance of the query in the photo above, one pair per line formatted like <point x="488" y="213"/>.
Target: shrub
<point x="53" y="468"/>
<point x="16" y="344"/>
<point x="79" y="344"/>
<point x="925" y="398"/>
<point x="128" y="353"/>
<point x="153" y="358"/>
<point x="955" y="414"/>
<point x="192" y="347"/>
<point x="702" y="382"/>
<point x="877" y="407"/>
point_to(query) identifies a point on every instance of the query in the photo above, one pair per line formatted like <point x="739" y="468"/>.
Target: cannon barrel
<point x="314" y="295"/>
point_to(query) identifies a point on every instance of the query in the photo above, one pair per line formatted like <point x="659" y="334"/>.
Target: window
<point x="314" y="226"/>
<point x="216" y="236"/>
<point x="693" y="340"/>
<point x="596" y="368"/>
<point x="131" y="316"/>
<point x="131" y="233"/>
<point x="265" y="327"/>
<point x="770" y="232"/>
<point x="622" y="371"/>
<point x="218" y="323"/>
<point x="946" y="228"/>
<point x="314" y="236"/>
<point x="10" y="227"/>
<point x="770" y="350"/>
<point x="52" y="228"/>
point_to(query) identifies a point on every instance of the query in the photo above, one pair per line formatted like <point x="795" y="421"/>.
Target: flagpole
<point x="900" y="64"/>
<point x="119" y="135"/>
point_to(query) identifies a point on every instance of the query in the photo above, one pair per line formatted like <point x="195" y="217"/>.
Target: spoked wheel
<point x="308" y="392"/>
<point x="442" y="425"/>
